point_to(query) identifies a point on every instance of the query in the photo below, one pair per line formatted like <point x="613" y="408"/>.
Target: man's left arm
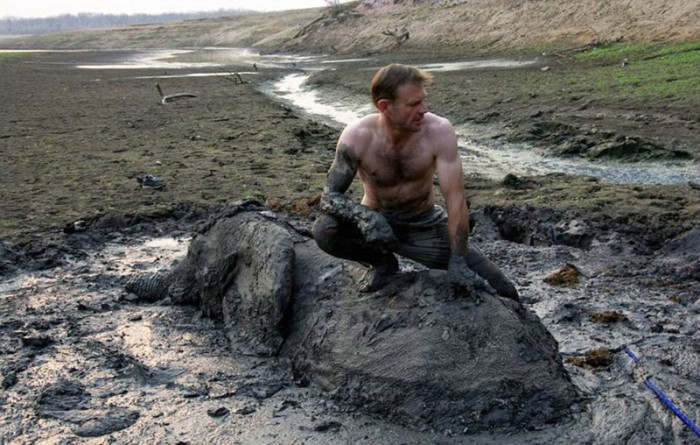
<point x="451" y="180"/>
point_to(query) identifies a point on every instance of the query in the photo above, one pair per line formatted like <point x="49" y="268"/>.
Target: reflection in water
<point x="472" y="64"/>
<point x="180" y="76"/>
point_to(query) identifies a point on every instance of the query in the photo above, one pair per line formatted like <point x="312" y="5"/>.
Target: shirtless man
<point x="396" y="152"/>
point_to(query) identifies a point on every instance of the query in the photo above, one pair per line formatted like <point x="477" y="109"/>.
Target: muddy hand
<point x="462" y="276"/>
<point x="377" y="231"/>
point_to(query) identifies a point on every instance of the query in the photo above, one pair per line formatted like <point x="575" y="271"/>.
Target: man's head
<point x="399" y="95"/>
<point x="386" y="82"/>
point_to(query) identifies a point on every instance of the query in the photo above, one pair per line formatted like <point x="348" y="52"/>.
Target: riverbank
<point x="105" y="128"/>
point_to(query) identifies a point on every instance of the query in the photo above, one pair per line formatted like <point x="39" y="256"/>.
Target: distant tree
<point x="68" y="22"/>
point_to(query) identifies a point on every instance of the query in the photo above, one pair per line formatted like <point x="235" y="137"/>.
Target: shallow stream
<point x="482" y="155"/>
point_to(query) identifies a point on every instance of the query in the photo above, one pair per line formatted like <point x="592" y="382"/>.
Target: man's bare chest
<point x="389" y="167"/>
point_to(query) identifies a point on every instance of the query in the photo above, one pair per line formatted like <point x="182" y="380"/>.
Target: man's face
<point x="407" y="110"/>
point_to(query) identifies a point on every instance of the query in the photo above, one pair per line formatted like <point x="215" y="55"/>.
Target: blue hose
<point x="665" y="399"/>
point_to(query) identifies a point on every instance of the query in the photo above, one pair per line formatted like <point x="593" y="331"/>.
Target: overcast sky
<point x="47" y="8"/>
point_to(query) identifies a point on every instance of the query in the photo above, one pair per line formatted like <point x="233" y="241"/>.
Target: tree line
<point x="68" y="22"/>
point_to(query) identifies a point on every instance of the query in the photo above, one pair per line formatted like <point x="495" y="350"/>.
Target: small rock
<point x="131" y="297"/>
<point x="671" y="328"/>
<point x="217" y="412"/>
<point x="248" y="409"/>
<point x="328" y="426"/>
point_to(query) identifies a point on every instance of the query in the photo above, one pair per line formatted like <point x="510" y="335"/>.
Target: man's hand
<point x="376" y="229"/>
<point x="372" y="224"/>
<point x="462" y="276"/>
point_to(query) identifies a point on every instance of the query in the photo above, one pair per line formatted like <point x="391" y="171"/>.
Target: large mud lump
<point x="417" y="352"/>
<point x="239" y="270"/>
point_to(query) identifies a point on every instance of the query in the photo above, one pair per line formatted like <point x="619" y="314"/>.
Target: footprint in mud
<point x="68" y="402"/>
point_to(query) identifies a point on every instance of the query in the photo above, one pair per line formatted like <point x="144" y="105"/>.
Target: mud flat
<point x="604" y="266"/>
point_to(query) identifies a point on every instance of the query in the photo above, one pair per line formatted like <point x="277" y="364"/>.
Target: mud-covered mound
<point x="565" y="140"/>
<point x="418" y="352"/>
<point x="423" y="354"/>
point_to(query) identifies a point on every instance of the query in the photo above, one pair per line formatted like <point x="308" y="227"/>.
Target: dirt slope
<point x="501" y="25"/>
<point x="444" y="25"/>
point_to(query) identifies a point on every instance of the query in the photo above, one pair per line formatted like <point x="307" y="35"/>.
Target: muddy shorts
<point x="424" y="238"/>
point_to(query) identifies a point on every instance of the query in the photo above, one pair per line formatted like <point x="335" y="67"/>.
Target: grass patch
<point x="652" y="71"/>
<point x="5" y="56"/>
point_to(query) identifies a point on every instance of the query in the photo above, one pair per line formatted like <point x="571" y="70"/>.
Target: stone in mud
<point x="417" y="352"/>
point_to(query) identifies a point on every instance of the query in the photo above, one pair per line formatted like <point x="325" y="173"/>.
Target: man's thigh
<point x="425" y="239"/>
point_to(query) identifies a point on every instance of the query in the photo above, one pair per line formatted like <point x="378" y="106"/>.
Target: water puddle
<point x="475" y="64"/>
<point x="161" y="59"/>
<point x="181" y="76"/>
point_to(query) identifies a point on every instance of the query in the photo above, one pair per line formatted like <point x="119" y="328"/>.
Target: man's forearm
<point x="371" y="223"/>
<point x="337" y="204"/>
<point x="460" y="240"/>
<point x="458" y="220"/>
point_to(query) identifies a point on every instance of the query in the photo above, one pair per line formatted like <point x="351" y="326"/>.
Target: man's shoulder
<point x="440" y="133"/>
<point x="365" y="123"/>
<point x="438" y="122"/>
<point x="360" y="130"/>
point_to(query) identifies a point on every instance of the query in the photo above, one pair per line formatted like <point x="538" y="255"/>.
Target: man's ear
<point x="383" y="104"/>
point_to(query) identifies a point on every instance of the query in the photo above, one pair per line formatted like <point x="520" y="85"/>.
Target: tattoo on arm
<point x="340" y="176"/>
<point x="343" y="170"/>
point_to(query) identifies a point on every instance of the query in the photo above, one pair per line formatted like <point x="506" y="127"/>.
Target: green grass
<point x="654" y="71"/>
<point x="5" y="56"/>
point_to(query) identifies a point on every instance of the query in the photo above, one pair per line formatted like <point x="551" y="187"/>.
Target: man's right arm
<point x="342" y="171"/>
<point x="373" y="225"/>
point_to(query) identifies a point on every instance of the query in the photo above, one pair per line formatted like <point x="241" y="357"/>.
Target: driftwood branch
<point x="401" y="35"/>
<point x="306" y="28"/>
<point x="236" y="78"/>
<point x="166" y="98"/>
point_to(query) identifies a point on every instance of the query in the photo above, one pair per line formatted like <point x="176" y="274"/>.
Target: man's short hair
<point x="388" y="79"/>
